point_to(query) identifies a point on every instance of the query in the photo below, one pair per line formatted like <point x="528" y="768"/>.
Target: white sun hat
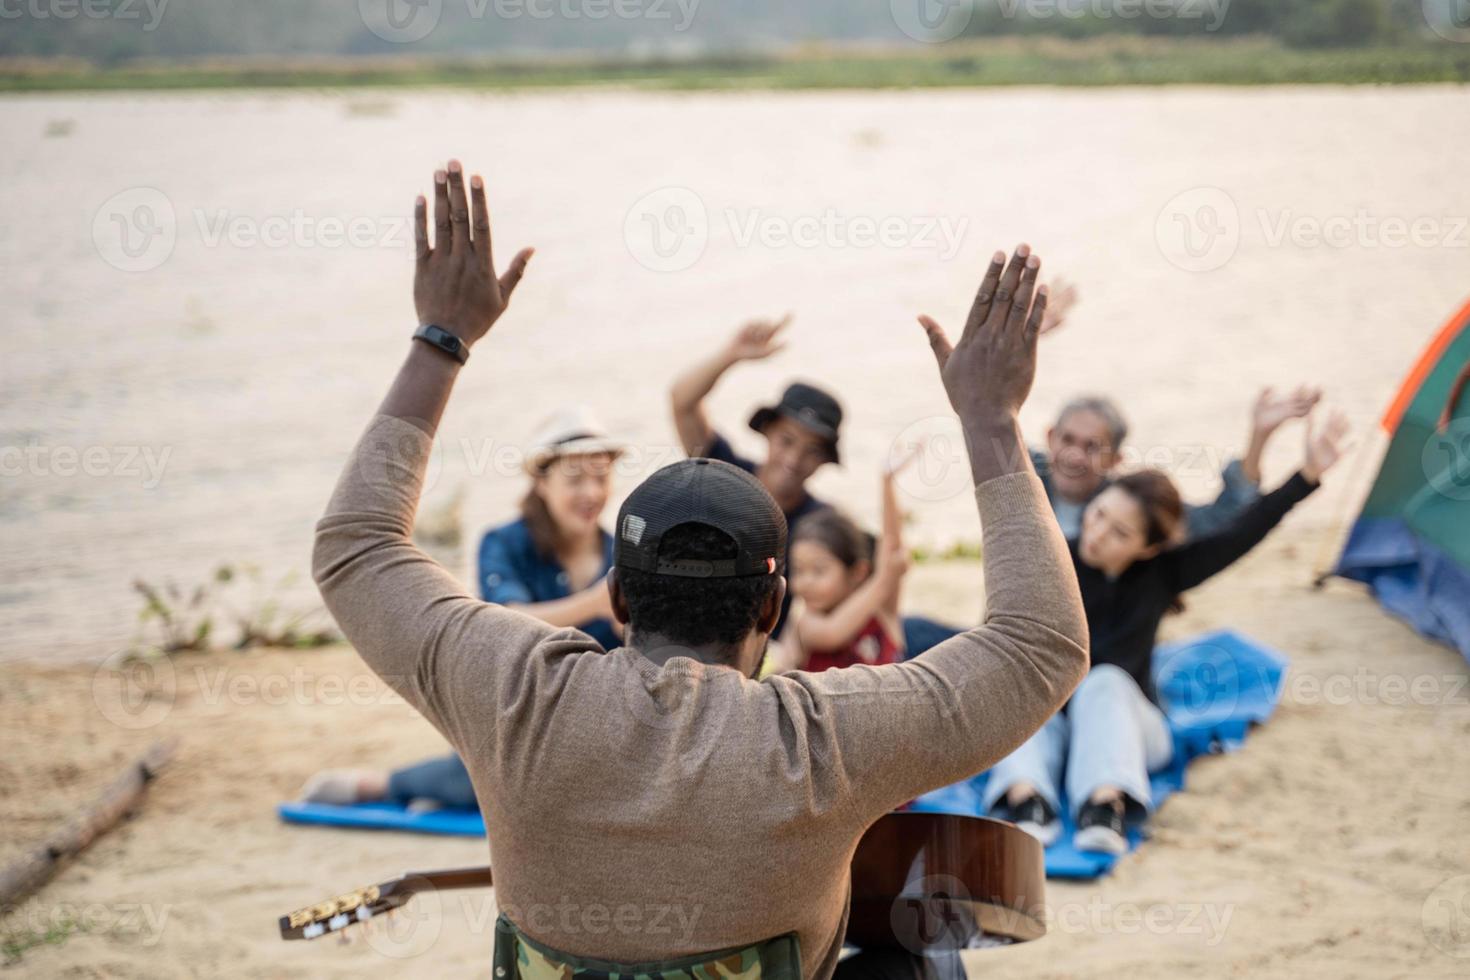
<point x="571" y="431"/>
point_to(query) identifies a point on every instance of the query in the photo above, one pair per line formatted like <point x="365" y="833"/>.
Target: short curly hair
<point x="695" y="611"/>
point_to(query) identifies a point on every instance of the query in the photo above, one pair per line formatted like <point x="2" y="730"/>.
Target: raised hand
<point x="901" y="458"/>
<point x="1063" y="298"/>
<point x="1326" y="444"/>
<point x="989" y="373"/>
<point x="455" y="285"/>
<point x="757" y="340"/>
<point x="1271" y="410"/>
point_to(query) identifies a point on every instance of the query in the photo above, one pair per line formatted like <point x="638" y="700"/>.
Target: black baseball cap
<point x="708" y="492"/>
<point x="807" y="406"/>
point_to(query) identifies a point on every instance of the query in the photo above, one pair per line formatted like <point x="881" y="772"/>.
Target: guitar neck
<point x="422" y="881"/>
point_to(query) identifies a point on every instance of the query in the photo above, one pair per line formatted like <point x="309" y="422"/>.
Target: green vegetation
<point x="1110" y="60"/>
<point x="15" y="944"/>
<point x="175" y="620"/>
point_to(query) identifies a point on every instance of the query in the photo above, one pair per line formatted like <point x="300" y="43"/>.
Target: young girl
<point x="1113" y="733"/>
<point x="849" y="596"/>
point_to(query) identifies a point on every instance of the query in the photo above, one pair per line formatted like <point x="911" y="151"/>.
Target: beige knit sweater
<point x="640" y="813"/>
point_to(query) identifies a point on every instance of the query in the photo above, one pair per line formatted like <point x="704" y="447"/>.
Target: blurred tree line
<point x="110" y="32"/>
<point x="1299" y="23"/>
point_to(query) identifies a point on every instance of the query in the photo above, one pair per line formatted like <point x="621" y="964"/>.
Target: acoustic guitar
<point x="925" y="882"/>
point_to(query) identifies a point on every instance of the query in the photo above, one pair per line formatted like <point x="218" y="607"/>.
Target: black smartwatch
<point x="444" y="340"/>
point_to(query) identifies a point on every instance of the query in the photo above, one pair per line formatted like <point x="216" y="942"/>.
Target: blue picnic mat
<point x="385" y="816"/>
<point x="1214" y="688"/>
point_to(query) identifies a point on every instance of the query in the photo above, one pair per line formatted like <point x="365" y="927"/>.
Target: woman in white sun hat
<point x="550" y="562"/>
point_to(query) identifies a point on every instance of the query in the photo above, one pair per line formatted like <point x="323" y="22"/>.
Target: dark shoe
<point x="1035" y="816"/>
<point x="1100" y="828"/>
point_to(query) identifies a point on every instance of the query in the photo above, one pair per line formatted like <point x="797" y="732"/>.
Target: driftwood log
<point x="121" y="797"/>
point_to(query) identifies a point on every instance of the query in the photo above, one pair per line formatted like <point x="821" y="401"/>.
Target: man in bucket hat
<point x="801" y="429"/>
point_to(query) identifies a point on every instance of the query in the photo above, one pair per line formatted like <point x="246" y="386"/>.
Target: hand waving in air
<point x="1063" y="298"/>
<point x="1272" y="410"/>
<point x="455" y="285"/>
<point x="988" y="374"/>
<point x="758" y="339"/>
<point x="1326" y="444"/>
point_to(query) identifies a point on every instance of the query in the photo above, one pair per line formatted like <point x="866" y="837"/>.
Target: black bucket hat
<point x="807" y="406"/>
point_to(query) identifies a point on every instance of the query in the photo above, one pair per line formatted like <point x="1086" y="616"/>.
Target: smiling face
<point x="576" y="489"/>
<point x="1082" y="454"/>
<point x="1114" y="532"/>
<point x="819" y="578"/>
<point x="793" y="454"/>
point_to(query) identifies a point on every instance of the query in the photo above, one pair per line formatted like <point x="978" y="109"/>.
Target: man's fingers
<point x="459" y="208"/>
<point x="421" y="227"/>
<point x="1016" y="323"/>
<point x="1010" y="281"/>
<point x="480" y="215"/>
<point x="512" y="277"/>
<point x="1038" y="316"/>
<point x="443" y="238"/>
<point x="938" y="342"/>
<point x="980" y="310"/>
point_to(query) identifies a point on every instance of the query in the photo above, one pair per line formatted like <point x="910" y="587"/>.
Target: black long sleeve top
<point x="1123" y="614"/>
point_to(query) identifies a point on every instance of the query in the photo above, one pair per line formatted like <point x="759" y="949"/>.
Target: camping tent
<point x="1411" y="543"/>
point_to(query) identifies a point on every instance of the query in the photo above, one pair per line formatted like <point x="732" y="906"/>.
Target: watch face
<point x="449" y="340"/>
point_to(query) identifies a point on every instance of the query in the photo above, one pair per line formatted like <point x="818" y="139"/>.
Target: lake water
<point x="205" y="295"/>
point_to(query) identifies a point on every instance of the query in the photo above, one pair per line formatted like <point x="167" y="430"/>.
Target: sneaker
<point x="1037" y="818"/>
<point x="1100" y="828"/>
<point x="339" y="787"/>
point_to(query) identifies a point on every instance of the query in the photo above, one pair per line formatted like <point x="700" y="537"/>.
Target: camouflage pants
<point x="520" y="958"/>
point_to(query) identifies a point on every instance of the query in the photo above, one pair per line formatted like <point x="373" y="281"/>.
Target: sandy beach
<point x="1330" y="846"/>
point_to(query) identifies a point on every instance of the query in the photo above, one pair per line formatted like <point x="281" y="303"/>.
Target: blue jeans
<point x="920" y="634"/>
<point x="444" y="780"/>
<point x="1110" y="735"/>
